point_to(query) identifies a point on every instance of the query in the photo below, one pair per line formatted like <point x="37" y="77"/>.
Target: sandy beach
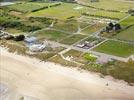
<point x="22" y="76"/>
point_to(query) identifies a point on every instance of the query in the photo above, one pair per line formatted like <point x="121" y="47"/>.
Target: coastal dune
<point x="24" y="78"/>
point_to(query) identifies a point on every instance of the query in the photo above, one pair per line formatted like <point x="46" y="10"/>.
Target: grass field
<point x="114" y="15"/>
<point x="110" y="4"/>
<point x="63" y="11"/>
<point x="116" y="48"/>
<point x="127" y="22"/>
<point x="14" y="31"/>
<point x="73" y="39"/>
<point x="28" y="7"/>
<point x="51" y="35"/>
<point x="91" y="29"/>
<point x="127" y="34"/>
<point x="70" y="26"/>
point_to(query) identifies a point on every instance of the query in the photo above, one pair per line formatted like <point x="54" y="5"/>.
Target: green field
<point x="91" y="29"/>
<point x="110" y="4"/>
<point x="127" y="34"/>
<point x="28" y="7"/>
<point x="116" y="48"/>
<point x="108" y="14"/>
<point x="127" y="22"/>
<point x="63" y="11"/>
<point x="67" y="26"/>
<point x="51" y="35"/>
<point x="73" y="39"/>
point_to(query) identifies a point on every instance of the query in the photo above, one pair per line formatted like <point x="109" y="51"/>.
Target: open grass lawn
<point x="70" y="26"/>
<point x="73" y="39"/>
<point x="110" y="4"/>
<point x="116" y="48"/>
<point x="28" y="7"/>
<point x="127" y="34"/>
<point x="62" y="12"/>
<point x="118" y="70"/>
<point x="14" y="31"/>
<point x="73" y="53"/>
<point x="51" y="35"/>
<point x="114" y="15"/>
<point x="91" y="29"/>
<point x="127" y="22"/>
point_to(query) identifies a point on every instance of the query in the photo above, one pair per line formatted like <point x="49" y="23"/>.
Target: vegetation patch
<point x="73" y="39"/>
<point x="116" y="69"/>
<point x="127" y="34"/>
<point x="29" y="6"/>
<point x="51" y="35"/>
<point x="91" y="29"/>
<point x="116" y="48"/>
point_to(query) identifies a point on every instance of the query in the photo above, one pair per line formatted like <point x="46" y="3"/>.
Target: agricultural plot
<point x="73" y="39"/>
<point x="127" y="34"/>
<point x="67" y="26"/>
<point x="28" y="7"/>
<point x="51" y="35"/>
<point x="108" y="14"/>
<point x="116" y="48"/>
<point x="110" y="4"/>
<point x="127" y="22"/>
<point x="92" y="28"/>
<point x="64" y="11"/>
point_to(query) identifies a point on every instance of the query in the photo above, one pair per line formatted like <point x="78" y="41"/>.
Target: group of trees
<point x="131" y="11"/>
<point x="113" y="27"/>
<point x="10" y="23"/>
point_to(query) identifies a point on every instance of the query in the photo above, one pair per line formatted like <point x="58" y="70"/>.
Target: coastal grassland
<point x="21" y="49"/>
<point x="58" y="59"/>
<point x="51" y="35"/>
<point x="78" y="56"/>
<point x="73" y="53"/>
<point x="28" y="6"/>
<point x="72" y="39"/>
<point x="116" y="48"/>
<point x="118" y="70"/>
<point x="127" y="34"/>
<point x="117" y="5"/>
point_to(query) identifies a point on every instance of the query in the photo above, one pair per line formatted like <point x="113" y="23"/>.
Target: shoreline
<point x="72" y="73"/>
